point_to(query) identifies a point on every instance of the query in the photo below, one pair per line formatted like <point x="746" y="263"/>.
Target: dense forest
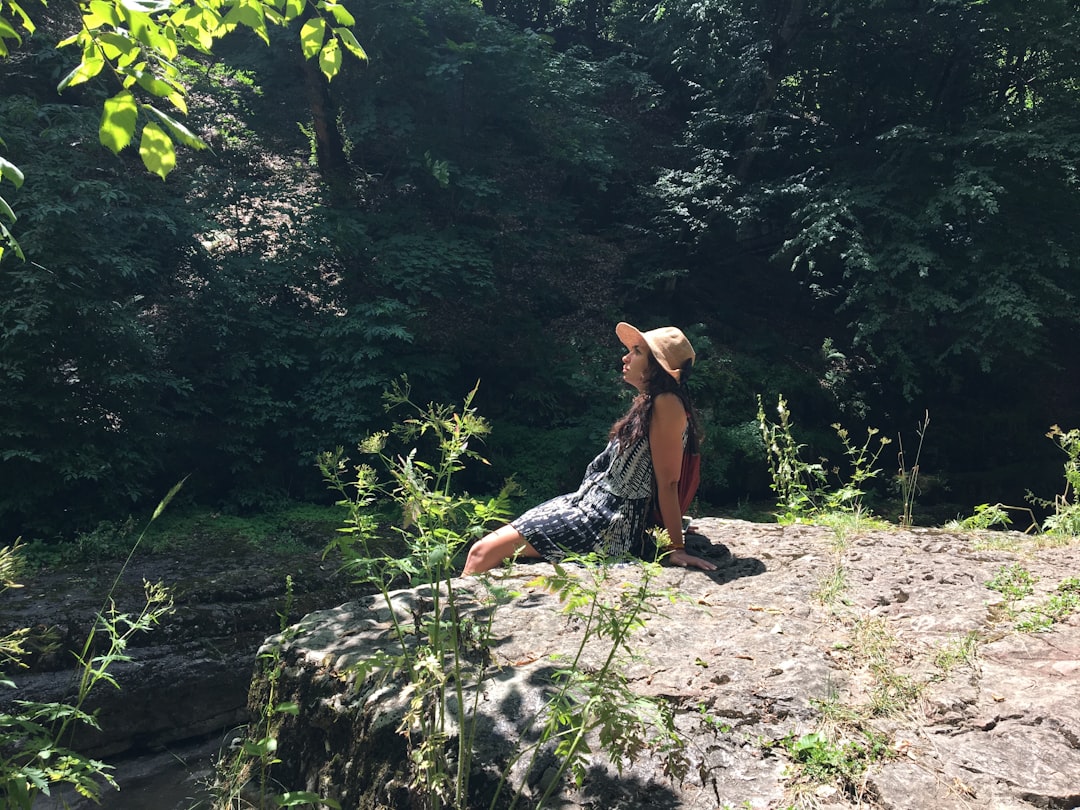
<point x="867" y="207"/>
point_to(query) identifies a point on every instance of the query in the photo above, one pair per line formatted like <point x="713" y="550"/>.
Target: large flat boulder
<point x="886" y="635"/>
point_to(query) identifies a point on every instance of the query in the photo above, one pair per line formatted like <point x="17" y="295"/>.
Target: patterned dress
<point x="608" y="514"/>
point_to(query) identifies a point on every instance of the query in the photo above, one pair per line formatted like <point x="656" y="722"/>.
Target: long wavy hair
<point x="634" y="424"/>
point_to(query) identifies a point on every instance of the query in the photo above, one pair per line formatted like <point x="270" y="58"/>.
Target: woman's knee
<point x="492" y="549"/>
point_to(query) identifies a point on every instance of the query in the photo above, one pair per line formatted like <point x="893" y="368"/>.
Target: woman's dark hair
<point x="634" y="424"/>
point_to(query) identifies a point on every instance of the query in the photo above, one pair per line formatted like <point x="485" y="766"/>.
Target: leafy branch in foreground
<point x="141" y="43"/>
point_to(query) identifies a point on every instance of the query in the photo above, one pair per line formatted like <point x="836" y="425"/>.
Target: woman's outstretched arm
<point x="666" y="430"/>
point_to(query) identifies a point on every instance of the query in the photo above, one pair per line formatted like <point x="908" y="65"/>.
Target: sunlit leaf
<point x="156" y="150"/>
<point x="9" y="171"/>
<point x="116" y="45"/>
<point x="312" y="34"/>
<point x="178" y="130"/>
<point x="147" y="6"/>
<point x="83" y="72"/>
<point x="6" y="237"/>
<point x="155" y="86"/>
<point x="72" y="39"/>
<point x="348" y="39"/>
<point x="100" y="13"/>
<point x="330" y="59"/>
<point x="341" y="14"/>
<point x="118" y="117"/>
<point x="7" y="31"/>
<point x="249" y="16"/>
<point x="24" y="18"/>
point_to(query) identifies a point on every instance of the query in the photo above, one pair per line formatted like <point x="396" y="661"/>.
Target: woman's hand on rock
<point x="681" y="558"/>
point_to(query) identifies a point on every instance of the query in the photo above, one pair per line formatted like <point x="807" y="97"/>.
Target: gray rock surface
<point x="187" y="678"/>
<point x="801" y="629"/>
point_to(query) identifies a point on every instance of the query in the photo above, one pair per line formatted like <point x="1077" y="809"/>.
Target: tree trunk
<point x="329" y="147"/>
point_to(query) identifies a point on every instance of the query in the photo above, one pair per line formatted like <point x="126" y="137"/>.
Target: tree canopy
<point x="866" y="206"/>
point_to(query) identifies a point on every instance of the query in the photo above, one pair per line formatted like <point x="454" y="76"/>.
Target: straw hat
<point x="668" y="345"/>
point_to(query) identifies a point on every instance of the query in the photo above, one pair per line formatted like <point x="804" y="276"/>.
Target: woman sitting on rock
<point x="611" y="510"/>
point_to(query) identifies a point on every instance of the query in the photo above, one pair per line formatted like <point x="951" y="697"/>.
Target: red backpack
<point x="689" y="478"/>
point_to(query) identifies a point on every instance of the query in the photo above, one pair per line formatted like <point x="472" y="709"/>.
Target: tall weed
<point x="36" y="752"/>
<point x="442" y="652"/>
<point x="810" y="491"/>
<point x="1065" y="519"/>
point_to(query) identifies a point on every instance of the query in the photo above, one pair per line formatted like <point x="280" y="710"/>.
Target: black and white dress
<point x="608" y="514"/>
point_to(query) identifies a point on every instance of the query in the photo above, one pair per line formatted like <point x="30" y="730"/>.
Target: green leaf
<point x="348" y="39"/>
<point x="160" y="40"/>
<point x="27" y="23"/>
<point x="9" y="171"/>
<point x="84" y="71"/>
<point x="116" y="45"/>
<point x="7" y="238"/>
<point x="293" y="8"/>
<point x="156" y="150"/>
<point x="312" y="35"/>
<point x="101" y="13"/>
<point x="178" y="130"/>
<point x="7" y="31"/>
<point x="5" y="210"/>
<point x="153" y="85"/>
<point x="198" y="26"/>
<point x="250" y="15"/>
<point x="118" y="117"/>
<point x="330" y="59"/>
<point x="341" y="14"/>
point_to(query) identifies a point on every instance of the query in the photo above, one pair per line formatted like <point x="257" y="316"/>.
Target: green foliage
<point x="235" y="320"/>
<point x="793" y="480"/>
<point x="907" y="479"/>
<point x="1062" y="603"/>
<point x="803" y="488"/>
<point x="891" y="692"/>
<point x="985" y="516"/>
<point x="257" y="754"/>
<point x="1065" y="519"/>
<point x="437" y="650"/>
<point x="964" y="650"/>
<point x="832" y="587"/>
<point x="141" y="48"/>
<point x="598" y="700"/>
<point x="435" y="524"/>
<point x="80" y="355"/>
<point x="35" y="752"/>
<point x="1014" y="582"/>
<point x="822" y="760"/>
<point x="896" y="210"/>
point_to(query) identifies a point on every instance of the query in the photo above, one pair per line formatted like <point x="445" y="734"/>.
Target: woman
<point x="611" y="510"/>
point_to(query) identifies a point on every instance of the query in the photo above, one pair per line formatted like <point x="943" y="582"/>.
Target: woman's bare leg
<point x="490" y="551"/>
